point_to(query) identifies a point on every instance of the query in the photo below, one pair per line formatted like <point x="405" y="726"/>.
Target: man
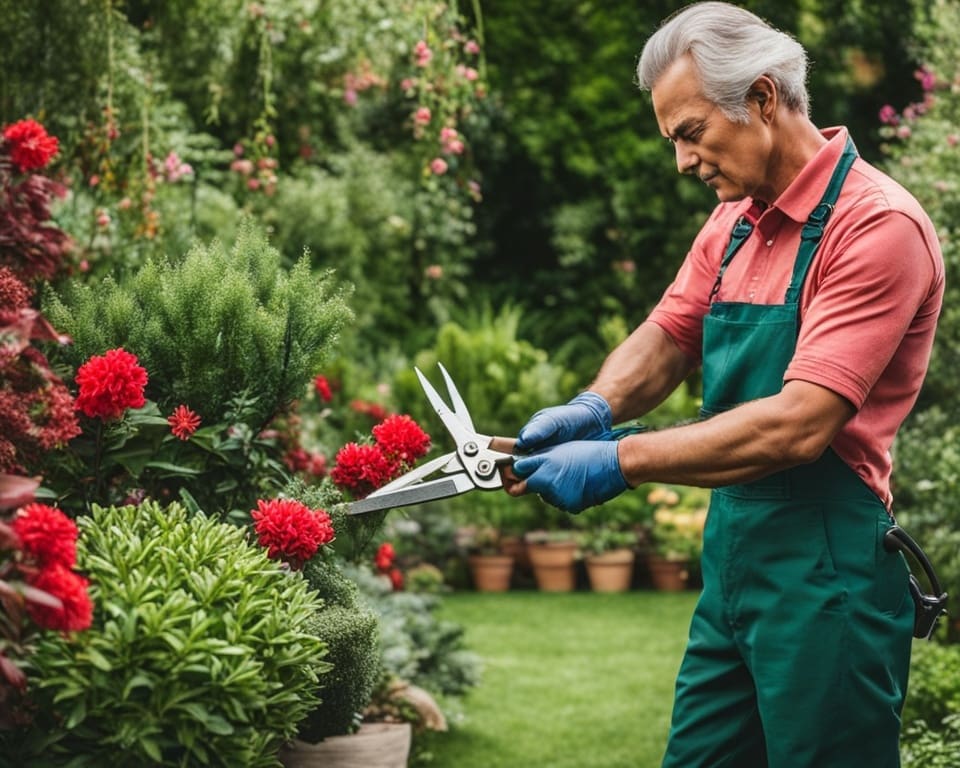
<point x="810" y="299"/>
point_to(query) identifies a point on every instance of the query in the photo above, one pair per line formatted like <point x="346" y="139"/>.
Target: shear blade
<point x="414" y="494"/>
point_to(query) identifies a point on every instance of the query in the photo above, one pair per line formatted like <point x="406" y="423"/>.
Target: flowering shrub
<point x="38" y="590"/>
<point x="385" y="562"/>
<point x="183" y="422"/>
<point x="678" y="520"/>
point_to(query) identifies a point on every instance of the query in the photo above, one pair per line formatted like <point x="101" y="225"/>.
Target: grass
<point x="574" y="680"/>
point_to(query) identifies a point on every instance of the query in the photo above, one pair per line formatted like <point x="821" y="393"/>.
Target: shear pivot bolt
<point x="485" y="468"/>
<point x="471" y="449"/>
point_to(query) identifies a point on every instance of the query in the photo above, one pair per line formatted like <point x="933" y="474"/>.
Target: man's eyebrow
<point x="685" y="127"/>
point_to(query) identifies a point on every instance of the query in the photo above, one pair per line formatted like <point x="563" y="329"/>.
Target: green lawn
<point x="578" y="680"/>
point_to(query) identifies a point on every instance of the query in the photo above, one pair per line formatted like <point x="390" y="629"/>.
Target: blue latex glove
<point x="573" y="476"/>
<point x="586" y="417"/>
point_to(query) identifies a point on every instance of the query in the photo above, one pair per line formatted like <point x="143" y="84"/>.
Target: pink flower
<point x="422" y="53"/>
<point x="183" y="422"/>
<point x="407" y="84"/>
<point x="110" y="384"/>
<point x="888" y="115"/>
<point x="350" y="97"/>
<point x="175" y="169"/>
<point x="103" y="219"/>
<point x="422" y="116"/>
<point x="438" y="166"/>
<point x="31" y="147"/>
<point x="953" y="139"/>
<point x="434" y="271"/>
<point x="471" y="47"/>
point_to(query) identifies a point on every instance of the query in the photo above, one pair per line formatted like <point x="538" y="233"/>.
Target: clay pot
<point x="668" y="575"/>
<point x="491" y="573"/>
<point x="553" y="564"/>
<point x="611" y="571"/>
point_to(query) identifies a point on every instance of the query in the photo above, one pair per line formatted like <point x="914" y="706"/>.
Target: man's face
<point x="731" y="158"/>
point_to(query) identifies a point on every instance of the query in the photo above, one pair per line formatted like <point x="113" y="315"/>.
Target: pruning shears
<point x="473" y="465"/>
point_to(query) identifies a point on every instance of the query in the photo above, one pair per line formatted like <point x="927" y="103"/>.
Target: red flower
<point x="361" y="469"/>
<point x="110" y="384"/>
<point x="70" y="589"/>
<point x="183" y="422"/>
<point x="47" y="536"/>
<point x="384" y="557"/>
<point x="31" y="147"/>
<point x="401" y="439"/>
<point x="322" y="387"/>
<point x="290" y="530"/>
<point x="396" y="579"/>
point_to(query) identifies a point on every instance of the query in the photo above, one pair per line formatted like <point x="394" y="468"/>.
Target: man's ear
<point x="764" y="93"/>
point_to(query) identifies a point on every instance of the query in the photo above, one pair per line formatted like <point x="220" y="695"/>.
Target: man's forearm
<point x="743" y="444"/>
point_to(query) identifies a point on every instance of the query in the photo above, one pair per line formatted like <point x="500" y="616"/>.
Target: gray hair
<point x="730" y="48"/>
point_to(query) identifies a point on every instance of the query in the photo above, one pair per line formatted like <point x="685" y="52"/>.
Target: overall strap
<point x="812" y="231"/>
<point x="741" y="231"/>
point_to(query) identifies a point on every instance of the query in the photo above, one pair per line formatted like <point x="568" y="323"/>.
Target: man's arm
<point x="745" y="443"/>
<point x="641" y="372"/>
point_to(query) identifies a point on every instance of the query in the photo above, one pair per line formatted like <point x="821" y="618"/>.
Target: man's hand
<point x="586" y="417"/>
<point x="571" y="476"/>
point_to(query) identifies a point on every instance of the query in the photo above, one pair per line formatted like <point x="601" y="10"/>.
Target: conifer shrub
<point x="217" y="325"/>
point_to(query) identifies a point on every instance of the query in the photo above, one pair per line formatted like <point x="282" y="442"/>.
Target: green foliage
<point x="419" y="646"/>
<point x="201" y="651"/>
<point x="934" y="689"/>
<point x="351" y="636"/>
<point x="217" y="325"/>
<point x="933" y="747"/>
<point x="503" y="380"/>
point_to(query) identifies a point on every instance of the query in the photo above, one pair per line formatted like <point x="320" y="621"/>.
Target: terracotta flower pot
<point x="611" y="571"/>
<point x="553" y="564"/>
<point x="668" y="575"/>
<point x="375" y="745"/>
<point x="491" y="573"/>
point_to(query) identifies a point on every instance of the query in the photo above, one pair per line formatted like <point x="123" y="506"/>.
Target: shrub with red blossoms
<point x="322" y="387"/>
<point x="183" y="422"/>
<point x="290" y="530"/>
<point x="401" y="439"/>
<point x="385" y="556"/>
<point x="109" y="384"/>
<point x="361" y="469"/>
<point x="29" y="244"/>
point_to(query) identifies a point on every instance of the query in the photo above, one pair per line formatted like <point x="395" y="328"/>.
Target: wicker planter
<point x="611" y="571"/>
<point x="375" y="745"/>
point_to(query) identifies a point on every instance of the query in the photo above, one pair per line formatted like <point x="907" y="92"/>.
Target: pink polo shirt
<point x="869" y="306"/>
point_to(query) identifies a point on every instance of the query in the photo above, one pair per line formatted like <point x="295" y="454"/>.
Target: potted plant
<point x="609" y="556"/>
<point x="676" y="536"/>
<point x="490" y="567"/>
<point x="553" y="555"/>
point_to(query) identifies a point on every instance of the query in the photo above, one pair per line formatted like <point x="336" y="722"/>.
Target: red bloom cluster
<point x="290" y="530"/>
<point x="183" y="422"/>
<point x="322" y="387"/>
<point x="30" y="146"/>
<point x="110" y="384"/>
<point x="365" y="408"/>
<point x="401" y="439"/>
<point x="76" y="611"/>
<point x="361" y="469"/>
<point x="385" y="561"/>
<point x="48" y="541"/>
<point x="47" y="536"/>
<point x="299" y="460"/>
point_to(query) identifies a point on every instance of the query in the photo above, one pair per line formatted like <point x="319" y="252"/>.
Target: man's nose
<point x="687" y="159"/>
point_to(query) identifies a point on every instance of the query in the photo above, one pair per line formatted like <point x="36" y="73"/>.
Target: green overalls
<point x="800" y="643"/>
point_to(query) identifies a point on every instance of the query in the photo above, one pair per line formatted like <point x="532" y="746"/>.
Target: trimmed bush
<point x="201" y="650"/>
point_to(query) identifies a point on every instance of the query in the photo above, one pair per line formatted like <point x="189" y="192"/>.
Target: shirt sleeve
<point x="861" y="301"/>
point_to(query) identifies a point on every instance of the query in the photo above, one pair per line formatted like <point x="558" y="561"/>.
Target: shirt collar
<point x="805" y="191"/>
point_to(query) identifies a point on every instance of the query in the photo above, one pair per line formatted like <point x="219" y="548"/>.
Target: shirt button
<point x="769" y="242"/>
